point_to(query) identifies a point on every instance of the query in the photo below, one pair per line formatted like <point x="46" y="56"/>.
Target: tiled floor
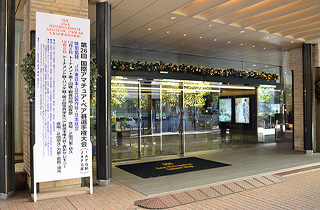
<point x="207" y="192"/>
<point x="115" y="196"/>
<point x="245" y="162"/>
<point x="300" y="191"/>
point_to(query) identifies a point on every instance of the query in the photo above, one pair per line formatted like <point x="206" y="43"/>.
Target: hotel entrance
<point x="161" y="117"/>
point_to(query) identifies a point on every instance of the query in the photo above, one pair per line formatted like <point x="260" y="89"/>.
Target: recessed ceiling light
<point x="269" y="37"/>
<point x="264" y="48"/>
<point x="200" y="37"/>
<point x="184" y="34"/>
<point x="266" y="66"/>
<point x="168" y="32"/>
<point x="215" y="40"/>
<point x="253" y="46"/>
<point x="241" y="32"/>
<point x="172" y="18"/>
<point x="149" y="29"/>
<point x="229" y="42"/>
<point x="241" y="44"/>
<point x="286" y="51"/>
<point x="292" y="42"/>
<point x="254" y="65"/>
<point x="210" y="25"/>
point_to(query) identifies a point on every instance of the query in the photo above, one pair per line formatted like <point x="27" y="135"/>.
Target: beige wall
<point x="75" y="8"/>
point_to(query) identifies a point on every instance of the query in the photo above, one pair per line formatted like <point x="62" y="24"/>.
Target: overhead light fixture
<point x="210" y="25"/>
<point x="266" y="66"/>
<point x="149" y="29"/>
<point x="164" y="72"/>
<point x="215" y="40"/>
<point x="220" y="86"/>
<point x="264" y="48"/>
<point x="200" y="37"/>
<point x="253" y="46"/>
<point x="168" y="32"/>
<point x="241" y="44"/>
<point x="229" y="42"/>
<point x="292" y="42"/>
<point x="124" y="82"/>
<point x="172" y="18"/>
<point x="254" y="65"/>
<point x="268" y="86"/>
<point x="184" y="34"/>
<point x="241" y="32"/>
<point x="269" y="37"/>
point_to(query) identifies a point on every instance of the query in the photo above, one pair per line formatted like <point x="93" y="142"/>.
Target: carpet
<point x="169" y="167"/>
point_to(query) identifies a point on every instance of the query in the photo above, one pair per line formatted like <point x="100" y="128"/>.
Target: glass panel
<point x="170" y="103"/>
<point x="288" y="105"/>
<point x="201" y="115"/>
<point x="150" y="113"/>
<point x="269" y="113"/>
<point x="124" y="125"/>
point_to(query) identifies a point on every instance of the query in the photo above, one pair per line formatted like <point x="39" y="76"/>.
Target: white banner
<point x="62" y="101"/>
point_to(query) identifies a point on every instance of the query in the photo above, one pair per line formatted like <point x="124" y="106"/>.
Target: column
<point x="103" y="18"/>
<point x="308" y="97"/>
<point x="7" y="34"/>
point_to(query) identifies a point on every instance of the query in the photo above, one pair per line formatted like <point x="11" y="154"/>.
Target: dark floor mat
<point x="169" y="167"/>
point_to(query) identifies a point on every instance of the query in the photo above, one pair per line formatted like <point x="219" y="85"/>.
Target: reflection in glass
<point x="242" y="110"/>
<point x="124" y="119"/>
<point x="225" y="110"/>
<point x="169" y="117"/>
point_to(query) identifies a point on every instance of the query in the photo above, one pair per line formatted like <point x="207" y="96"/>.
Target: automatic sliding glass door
<point x="150" y="119"/>
<point x="170" y="117"/>
<point x="125" y="118"/>
<point x="171" y="103"/>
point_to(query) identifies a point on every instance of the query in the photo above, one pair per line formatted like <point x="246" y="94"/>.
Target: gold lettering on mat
<point x="171" y="167"/>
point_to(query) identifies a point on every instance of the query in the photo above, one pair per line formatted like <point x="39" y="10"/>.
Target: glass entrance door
<point x="159" y="117"/>
<point x="150" y="119"/>
<point x="172" y="117"/>
<point x="125" y="118"/>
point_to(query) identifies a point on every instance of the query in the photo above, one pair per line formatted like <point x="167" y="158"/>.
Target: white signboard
<point x="62" y="101"/>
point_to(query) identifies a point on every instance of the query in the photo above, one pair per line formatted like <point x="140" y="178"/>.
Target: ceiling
<point x="257" y="31"/>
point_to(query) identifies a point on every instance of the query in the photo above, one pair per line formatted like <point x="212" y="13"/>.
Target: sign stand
<point x="35" y="199"/>
<point x="34" y="176"/>
<point x="62" y="148"/>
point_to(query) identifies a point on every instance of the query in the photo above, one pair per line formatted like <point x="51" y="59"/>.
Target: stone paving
<point x="114" y="197"/>
<point x="299" y="191"/>
<point x="207" y="192"/>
